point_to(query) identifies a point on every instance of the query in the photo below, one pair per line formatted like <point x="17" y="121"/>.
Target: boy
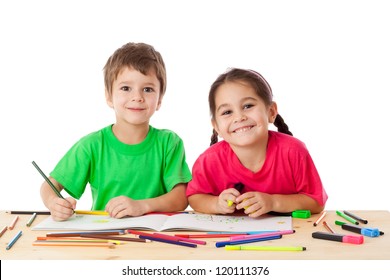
<point x="131" y="167"/>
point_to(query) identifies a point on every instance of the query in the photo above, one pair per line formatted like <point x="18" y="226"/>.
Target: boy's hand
<point x="255" y="203"/>
<point x="121" y="206"/>
<point x="61" y="209"/>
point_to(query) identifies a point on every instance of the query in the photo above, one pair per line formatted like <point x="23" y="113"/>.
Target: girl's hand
<point x="62" y="209"/>
<point x="227" y="200"/>
<point x="255" y="203"/>
<point x="121" y="206"/>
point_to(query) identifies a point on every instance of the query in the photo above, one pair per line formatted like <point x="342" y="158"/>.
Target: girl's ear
<point x="109" y="99"/>
<point x="215" y="126"/>
<point x="272" y="112"/>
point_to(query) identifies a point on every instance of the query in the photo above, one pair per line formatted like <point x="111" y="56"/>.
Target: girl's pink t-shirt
<point x="288" y="169"/>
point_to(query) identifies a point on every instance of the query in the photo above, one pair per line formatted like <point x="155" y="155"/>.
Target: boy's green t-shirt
<point x="145" y="170"/>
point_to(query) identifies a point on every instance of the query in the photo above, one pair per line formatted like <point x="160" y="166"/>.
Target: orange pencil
<point x="82" y="244"/>
<point x="3" y="230"/>
<point x="12" y="225"/>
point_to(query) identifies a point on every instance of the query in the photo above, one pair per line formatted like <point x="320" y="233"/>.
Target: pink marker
<point x="251" y="236"/>
<point x="353" y="239"/>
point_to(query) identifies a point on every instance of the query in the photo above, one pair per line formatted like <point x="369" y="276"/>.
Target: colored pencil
<point x="80" y="244"/>
<point x="131" y="239"/>
<point x="78" y="233"/>
<point x="188" y="240"/>
<point x="31" y="220"/>
<point x="3" y="230"/>
<point x="319" y="219"/>
<point x="28" y="212"/>
<point x="47" y="180"/>
<point x="328" y="227"/>
<point x="13" y="223"/>
<point x="205" y="235"/>
<point x="88" y="212"/>
<point x="168" y="241"/>
<point x="75" y="239"/>
<point x="13" y="240"/>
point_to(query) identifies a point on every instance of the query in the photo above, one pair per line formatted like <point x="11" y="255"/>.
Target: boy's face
<point x="135" y="97"/>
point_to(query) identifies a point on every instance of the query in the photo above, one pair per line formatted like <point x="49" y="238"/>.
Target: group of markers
<point x="352" y="226"/>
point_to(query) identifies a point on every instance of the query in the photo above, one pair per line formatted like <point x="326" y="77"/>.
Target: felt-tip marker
<point x="239" y="187"/>
<point x="370" y="232"/>
<point x="348" y="218"/>
<point x="353" y="216"/>
<point x="353" y="239"/>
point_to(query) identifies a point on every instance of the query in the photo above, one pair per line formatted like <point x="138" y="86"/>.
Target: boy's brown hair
<point x="140" y="56"/>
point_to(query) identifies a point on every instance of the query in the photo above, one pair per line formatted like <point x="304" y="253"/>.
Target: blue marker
<point x="370" y="232"/>
<point x="247" y="240"/>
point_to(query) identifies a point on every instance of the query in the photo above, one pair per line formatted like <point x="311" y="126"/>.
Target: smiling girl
<point x="274" y="170"/>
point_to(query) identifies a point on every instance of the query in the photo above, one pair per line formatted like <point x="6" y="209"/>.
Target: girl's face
<point x="241" y="117"/>
<point x="135" y="97"/>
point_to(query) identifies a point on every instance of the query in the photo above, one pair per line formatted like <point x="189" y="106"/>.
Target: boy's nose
<point x="137" y="96"/>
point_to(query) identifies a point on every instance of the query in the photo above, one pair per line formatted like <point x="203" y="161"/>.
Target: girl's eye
<point x="227" y="112"/>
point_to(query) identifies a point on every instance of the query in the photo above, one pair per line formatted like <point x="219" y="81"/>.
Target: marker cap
<point x="301" y="214"/>
<point x="353" y="239"/>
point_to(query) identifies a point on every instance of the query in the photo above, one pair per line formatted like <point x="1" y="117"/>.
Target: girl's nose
<point x="240" y="117"/>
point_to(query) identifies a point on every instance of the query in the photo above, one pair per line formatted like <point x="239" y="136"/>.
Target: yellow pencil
<point x="87" y="212"/>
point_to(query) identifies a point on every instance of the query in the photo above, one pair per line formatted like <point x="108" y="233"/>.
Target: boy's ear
<point x="272" y="112"/>
<point x="109" y="99"/>
<point x="159" y="105"/>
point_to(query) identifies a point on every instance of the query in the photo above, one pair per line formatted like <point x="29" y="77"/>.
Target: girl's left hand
<point x="255" y="203"/>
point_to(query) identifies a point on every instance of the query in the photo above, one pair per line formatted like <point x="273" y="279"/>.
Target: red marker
<point x="353" y="239"/>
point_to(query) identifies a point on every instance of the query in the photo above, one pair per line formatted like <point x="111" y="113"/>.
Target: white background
<point x="328" y="63"/>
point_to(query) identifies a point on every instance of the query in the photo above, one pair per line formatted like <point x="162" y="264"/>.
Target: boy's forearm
<point x="47" y="194"/>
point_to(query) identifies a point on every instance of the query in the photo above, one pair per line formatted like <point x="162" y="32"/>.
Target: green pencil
<point x="31" y="220"/>
<point x="47" y="180"/>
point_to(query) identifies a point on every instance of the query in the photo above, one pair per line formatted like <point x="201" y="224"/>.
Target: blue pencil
<point x="12" y="242"/>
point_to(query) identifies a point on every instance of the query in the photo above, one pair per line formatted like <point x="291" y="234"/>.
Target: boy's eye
<point x="125" y="88"/>
<point x="148" y="89"/>
<point x="247" y="106"/>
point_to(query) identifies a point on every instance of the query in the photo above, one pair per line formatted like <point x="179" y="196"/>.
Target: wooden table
<point x="377" y="248"/>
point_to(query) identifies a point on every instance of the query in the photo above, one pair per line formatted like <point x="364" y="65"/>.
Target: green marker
<point x="348" y="218"/>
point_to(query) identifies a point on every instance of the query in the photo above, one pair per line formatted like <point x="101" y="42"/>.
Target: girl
<point x="253" y="168"/>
